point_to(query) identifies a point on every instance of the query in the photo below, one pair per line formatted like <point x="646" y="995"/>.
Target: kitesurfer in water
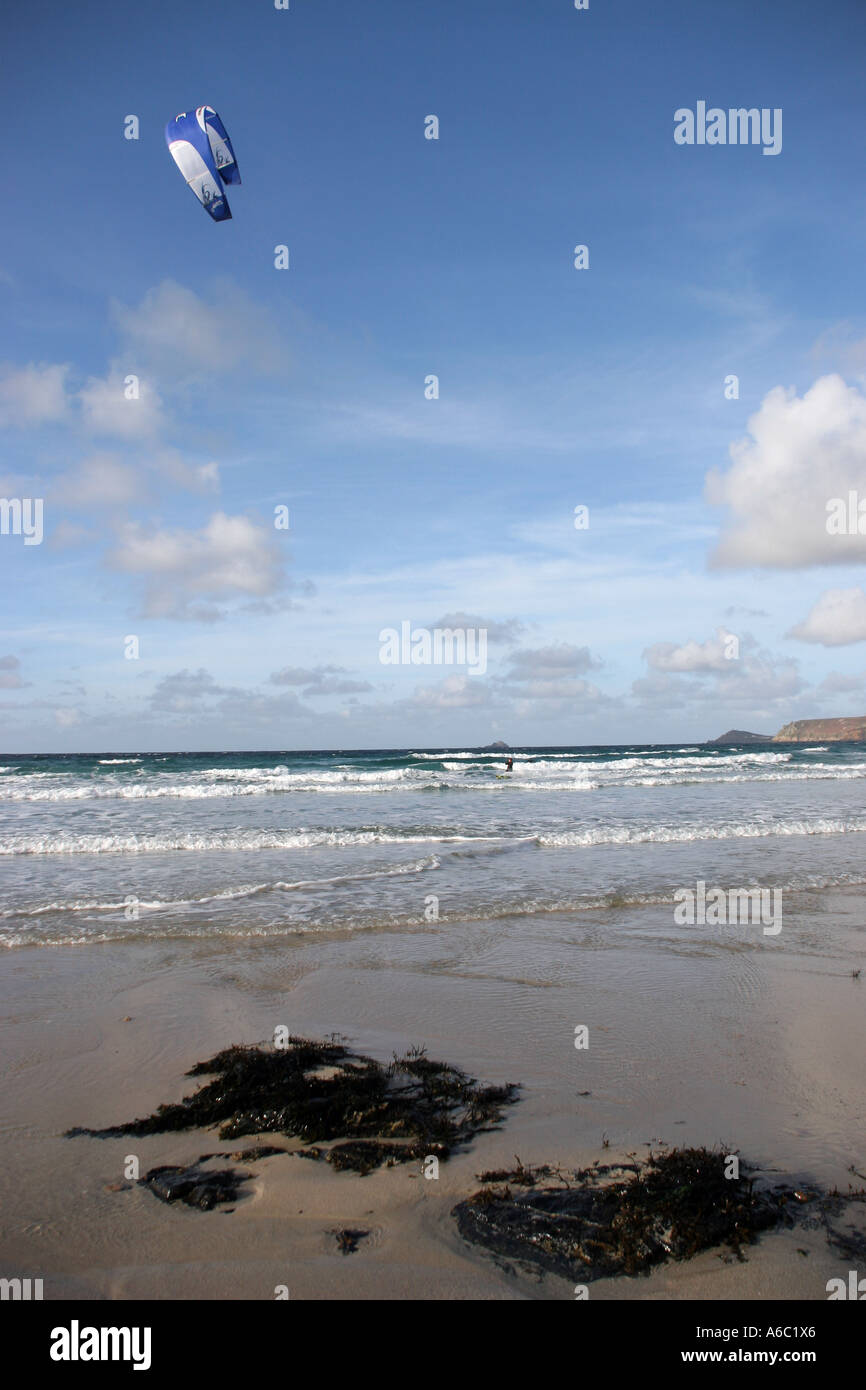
<point x="509" y="764"/>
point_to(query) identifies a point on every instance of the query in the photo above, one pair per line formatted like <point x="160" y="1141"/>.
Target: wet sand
<point x="695" y="1037"/>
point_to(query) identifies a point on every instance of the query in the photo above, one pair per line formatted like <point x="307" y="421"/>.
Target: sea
<point x="124" y="847"/>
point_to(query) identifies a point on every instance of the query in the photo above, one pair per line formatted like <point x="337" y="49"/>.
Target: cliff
<point x="852" y="728"/>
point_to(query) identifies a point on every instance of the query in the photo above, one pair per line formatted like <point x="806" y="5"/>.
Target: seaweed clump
<point x="196" y="1187"/>
<point x="322" y="1091"/>
<point x="620" y="1219"/>
<point x="347" y="1240"/>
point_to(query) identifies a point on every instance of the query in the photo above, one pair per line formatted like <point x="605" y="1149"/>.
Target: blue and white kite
<point x="200" y="147"/>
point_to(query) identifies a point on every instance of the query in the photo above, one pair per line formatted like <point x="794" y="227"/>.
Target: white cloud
<point x="177" y="333"/>
<point x="194" y="477"/>
<point x="838" y="617"/>
<point x="107" y="407"/>
<point x="692" y="656"/>
<point x="101" y="481"/>
<point x="507" y="631"/>
<point x="800" y="454"/>
<point x="208" y="476"/>
<point x="33" y="395"/>
<point x="697" y="676"/>
<point x="230" y="556"/>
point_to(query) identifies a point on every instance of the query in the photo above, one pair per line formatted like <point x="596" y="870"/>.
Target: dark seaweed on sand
<point x="619" y="1219"/>
<point x="319" y="1091"/>
<point x="194" y="1186"/>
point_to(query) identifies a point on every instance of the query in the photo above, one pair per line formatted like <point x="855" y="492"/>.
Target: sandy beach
<point x="697" y="1039"/>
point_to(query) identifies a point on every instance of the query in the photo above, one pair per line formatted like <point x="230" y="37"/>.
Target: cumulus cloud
<point x="839" y="683"/>
<point x="550" y="663"/>
<point x="551" y="673"/>
<point x="184" y="690"/>
<point x="101" y="481"/>
<point x="662" y="692"/>
<point x="228" y="557"/>
<point x="176" y="332"/>
<point x="699" y="674"/>
<point x="507" y="631"/>
<point x="712" y="655"/>
<point x="838" y="618"/>
<point x="171" y="465"/>
<point x="799" y="454"/>
<point x="33" y="395"/>
<point x="108" y="407"/>
<point x="320" y="680"/>
<point x="195" y="700"/>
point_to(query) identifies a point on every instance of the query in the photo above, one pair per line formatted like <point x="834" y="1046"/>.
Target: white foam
<point x="247" y="890"/>
<point x="222" y="840"/>
<point x="630" y="835"/>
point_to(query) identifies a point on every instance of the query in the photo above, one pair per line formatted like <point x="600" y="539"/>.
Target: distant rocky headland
<point x="851" y="728"/>
<point x="848" y="729"/>
<point x="741" y="736"/>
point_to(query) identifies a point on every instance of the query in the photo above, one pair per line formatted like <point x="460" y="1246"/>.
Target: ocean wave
<point x="225" y="840"/>
<point x="103" y="790"/>
<point x="246" y="890"/>
<point x="632" y="835"/>
<point x="253" y="840"/>
<point x="711" y="777"/>
<point x="460" y="772"/>
<point x="167" y="927"/>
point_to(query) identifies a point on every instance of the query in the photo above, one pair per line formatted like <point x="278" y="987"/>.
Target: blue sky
<point x="558" y="387"/>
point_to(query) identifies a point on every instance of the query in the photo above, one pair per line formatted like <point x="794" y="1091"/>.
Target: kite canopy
<point x="200" y="147"/>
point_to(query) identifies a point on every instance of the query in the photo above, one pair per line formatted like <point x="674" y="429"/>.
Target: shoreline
<point x="747" y="1046"/>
